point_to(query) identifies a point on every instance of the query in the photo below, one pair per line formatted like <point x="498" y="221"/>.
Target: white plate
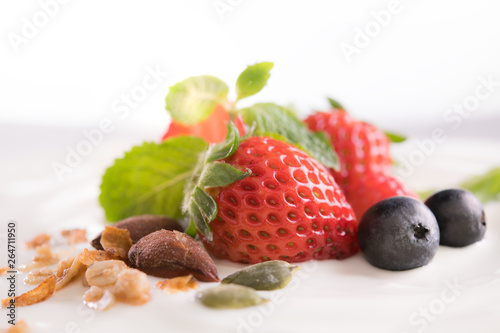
<point x="457" y="292"/>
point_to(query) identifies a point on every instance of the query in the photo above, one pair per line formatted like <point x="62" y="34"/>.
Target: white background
<point x="65" y="79"/>
<point x="427" y="58"/>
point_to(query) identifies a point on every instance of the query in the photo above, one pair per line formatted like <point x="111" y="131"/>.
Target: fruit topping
<point x="460" y="216"/>
<point x="398" y="233"/>
<point x="361" y="147"/>
<point x="289" y="208"/>
<point x="362" y="193"/>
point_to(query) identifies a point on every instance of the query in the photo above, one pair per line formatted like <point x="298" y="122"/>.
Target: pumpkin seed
<point x="269" y="275"/>
<point x="230" y="296"/>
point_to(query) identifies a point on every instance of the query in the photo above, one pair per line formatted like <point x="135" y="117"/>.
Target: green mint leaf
<point x="194" y="99"/>
<point x="486" y="187"/>
<point x="272" y="118"/>
<point x="227" y="147"/>
<point x="220" y="174"/>
<point x="394" y="137"/>
<point x="334" y="104"/>
<point x="150" y="178"/>
<point x="253" y="79"/>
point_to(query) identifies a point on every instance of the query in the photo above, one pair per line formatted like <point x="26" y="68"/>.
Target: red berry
<point x="372" y="188"/>
<point x="361" y="147"/>
<point x="213" y="129"/>
<point x="289" y="208"/>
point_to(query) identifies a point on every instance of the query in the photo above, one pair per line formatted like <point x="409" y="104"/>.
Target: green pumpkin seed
<point x="230" y="296"/>
<point x="269" y="275"/>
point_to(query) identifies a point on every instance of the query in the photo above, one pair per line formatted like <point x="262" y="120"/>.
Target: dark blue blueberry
<point x="398" y="234"/>
<point x="460" y="216"/>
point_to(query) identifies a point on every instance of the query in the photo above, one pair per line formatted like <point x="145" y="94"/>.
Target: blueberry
<point x="398" y="234"/>
<point x="460" y="216"/>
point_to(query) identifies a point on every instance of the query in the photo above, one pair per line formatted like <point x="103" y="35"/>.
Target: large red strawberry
<point x="213" y="129"/>
<point x="361" y="147"/>
<point x="372" y="188"/>
<point x="289" y="208"/>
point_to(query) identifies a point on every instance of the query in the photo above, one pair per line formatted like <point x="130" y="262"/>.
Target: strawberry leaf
<point x="194" y="99"/>
<point x="198" y="220"/>
<point x="150" y="178"/>
<point x="191" y="229"/>
<point x="205" y="203"/>
<point x="394" y="137"/>
<point x="198" y="204"/>
<point x="272" y="118"/>
<point x="486" y="187"/>
<point x="253" y="79"/>
<point x="220" y="174"/>
<point x="227" y="147"/>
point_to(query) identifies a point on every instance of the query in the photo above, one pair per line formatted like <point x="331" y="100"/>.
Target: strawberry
<point x="372" y="188"/>
<point x="361" y="147"/>
<point x="213" y="129"/>
<point x="250" y="199"/>
<point x="288" y="208"/>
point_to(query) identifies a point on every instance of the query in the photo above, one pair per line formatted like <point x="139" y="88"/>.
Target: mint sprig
<point x="486" y="187"/>
<point x="194" y="99"/>
<point x="150" y="178"/>
<point x="271" y="119"/>
<point x="253" y="79"/>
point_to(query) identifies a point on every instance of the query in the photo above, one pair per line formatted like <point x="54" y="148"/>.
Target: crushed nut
<point x="74" y="236"/>
<point x="37" y="275"/>
<point x="116" y="241"/>
<point x="104" y="273"/>
<point x="36" y="295"/>
<point x="177" y="284"/>
<point x="44" y="257"/>
<point x="87" y="257"/>
<point x="19" y="327"/>
<point x="67" y="270"/>
<point x="63" y="266"/>
<point x="132" y="287"/>
<point x="98" y="298"/>
<point x="85" y="283"/>
<point x="38" y="240"/>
